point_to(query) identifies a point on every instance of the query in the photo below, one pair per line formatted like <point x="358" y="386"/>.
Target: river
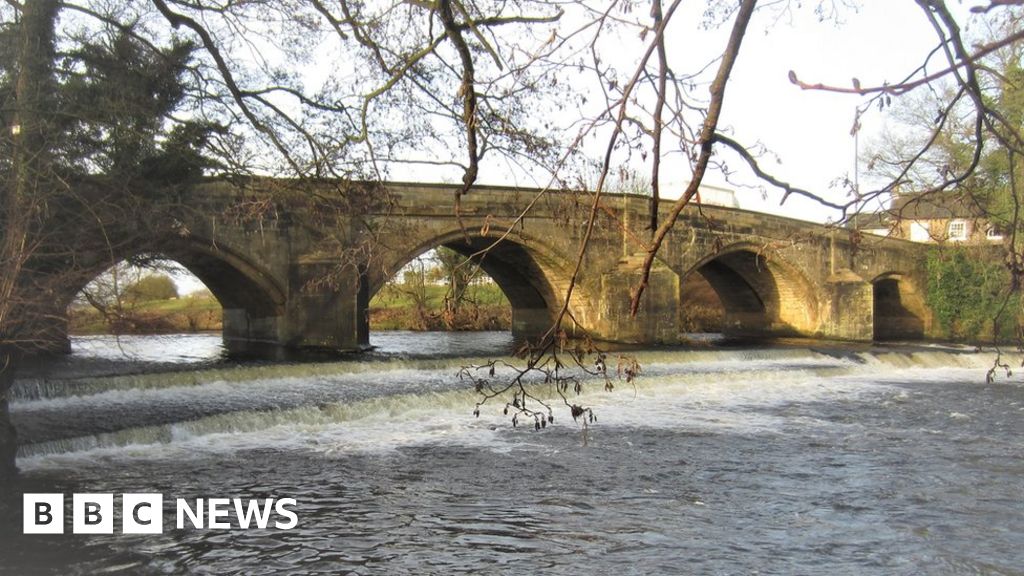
<point x="794" y="459"/>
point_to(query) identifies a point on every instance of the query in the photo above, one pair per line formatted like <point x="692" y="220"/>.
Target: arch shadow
<point x="533" y="278"/>
<point x="253" y="303"/>
<point x="758" y="295"/>
<point x="899" y="309"/>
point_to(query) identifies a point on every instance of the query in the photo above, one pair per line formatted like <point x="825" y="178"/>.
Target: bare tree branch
<point x="659" y="108"/>
<point x="706" y="143"/>
<point x="177" y="20"/>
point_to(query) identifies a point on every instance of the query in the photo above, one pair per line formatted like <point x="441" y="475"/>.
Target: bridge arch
<point x="533" y="277"/>
<point x="759" y="293"/>
<point x="252" y="301"/>
<point x="900" y="311"/>
<point x="236" y="282"/>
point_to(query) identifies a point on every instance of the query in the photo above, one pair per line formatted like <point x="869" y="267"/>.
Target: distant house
<point x="707" y="194"/>
<point x="937" y="217"/>
<point x="717" y="196"/>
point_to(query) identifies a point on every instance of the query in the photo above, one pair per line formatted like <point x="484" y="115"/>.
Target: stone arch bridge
<point x="292" y="275"/>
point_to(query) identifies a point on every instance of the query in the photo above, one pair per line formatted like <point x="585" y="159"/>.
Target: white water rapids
<point x="739" y="460"/>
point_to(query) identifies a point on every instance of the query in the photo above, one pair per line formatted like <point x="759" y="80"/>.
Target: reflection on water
<point x="442" y="344"/>
<point x="207" y="347"/>
<point x="169" y="349"/>
<point x="736" y="461"/>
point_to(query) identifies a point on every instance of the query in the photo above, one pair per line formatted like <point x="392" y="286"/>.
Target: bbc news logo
<point x="144" y="513"/>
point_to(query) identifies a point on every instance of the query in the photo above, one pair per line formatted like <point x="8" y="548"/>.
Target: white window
<point x="993" y="233"/>
<point x="958" y="230"/>
<point x="919" y="232"/>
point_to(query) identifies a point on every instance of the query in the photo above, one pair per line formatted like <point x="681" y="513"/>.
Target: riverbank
<point x="483" y="308"/>
<point x="199" y="312"/>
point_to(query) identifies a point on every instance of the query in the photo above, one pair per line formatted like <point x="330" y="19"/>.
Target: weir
<point x="300" y="273"/>
<point x="72" y="413"/>
<point x="387" y="453"/>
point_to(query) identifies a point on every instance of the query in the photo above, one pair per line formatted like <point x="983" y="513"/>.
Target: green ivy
<point x="967" y="291"/>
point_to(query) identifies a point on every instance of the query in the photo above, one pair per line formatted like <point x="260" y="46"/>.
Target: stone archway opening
<point x="157" y="296"/>
<point x="148" y="310"/>
<point x="188" y="290"/>
<point x="519" y="289"/>
<point x="701" y="309"/>
<point x="440" y="290"/>
<point x="741" y="292"/>
<point x="899" y="310"/>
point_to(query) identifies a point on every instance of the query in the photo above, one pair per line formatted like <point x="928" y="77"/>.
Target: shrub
<point x="969" y="291"/>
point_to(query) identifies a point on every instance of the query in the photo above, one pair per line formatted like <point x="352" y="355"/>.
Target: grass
<point x="397" y="296"/>
<point x="199" y="312"/>
<point x="485" y="308"/>
<point x="395" y="308"/>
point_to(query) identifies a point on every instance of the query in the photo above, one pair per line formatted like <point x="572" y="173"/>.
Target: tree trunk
<point x="21" y="196"/>
<point x="8" y="436"/>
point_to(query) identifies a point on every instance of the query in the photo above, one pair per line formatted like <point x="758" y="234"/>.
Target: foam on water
<point x="846" y="461"/>
<point x="385" y="405"/>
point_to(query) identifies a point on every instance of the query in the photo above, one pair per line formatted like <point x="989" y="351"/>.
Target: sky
<point x="807" y="131"/>
<point x="810" y="130"/>
<point x="807" y="134"/>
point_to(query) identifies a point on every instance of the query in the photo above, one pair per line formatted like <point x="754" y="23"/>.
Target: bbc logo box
<point x="93" y="513"/>
<point x="144" y="513"/>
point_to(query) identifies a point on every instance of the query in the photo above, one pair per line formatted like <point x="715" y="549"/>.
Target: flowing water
<point x="785" y="460"/>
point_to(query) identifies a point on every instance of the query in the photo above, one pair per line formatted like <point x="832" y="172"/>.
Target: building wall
<point x="938" y="230"/>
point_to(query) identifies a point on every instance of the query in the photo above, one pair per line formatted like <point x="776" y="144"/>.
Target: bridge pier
<point x="245" y="335"/>
<point x="319" y="314"/>
<point x="849" y="308"/>
<point x="326" y="314"/>
<point x="657" y="318"/>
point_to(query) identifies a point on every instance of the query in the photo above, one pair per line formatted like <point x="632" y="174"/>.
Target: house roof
<point x="869" y="221"/>
<point x="935" y="206"/>
<point x="920" y="206"/>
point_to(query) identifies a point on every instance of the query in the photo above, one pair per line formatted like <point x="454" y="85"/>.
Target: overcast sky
<point x="884" y="40"/>
<point x="810" y="131"/>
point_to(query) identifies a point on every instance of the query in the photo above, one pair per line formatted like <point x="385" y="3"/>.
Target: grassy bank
<point x="198" y="312"/>
<point x="485" y="308"/>
<point x="397" y="308"/>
